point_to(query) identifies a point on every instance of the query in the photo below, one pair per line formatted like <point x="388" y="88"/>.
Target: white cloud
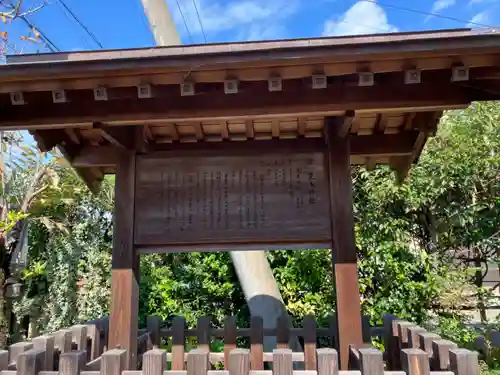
<point x="480" y="18"/>
<point x="362" y="18"/>
<point x="474" y="2"/>
<point x="440" y="5"/>
<point x="249" y="19"/>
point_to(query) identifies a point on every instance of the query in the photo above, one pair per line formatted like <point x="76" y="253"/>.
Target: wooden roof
<point x="387" y="91"/>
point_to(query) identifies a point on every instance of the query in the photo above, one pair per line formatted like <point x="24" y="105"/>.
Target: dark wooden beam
<point x="93" y="183"/>
<point x="48" y="139"/>
<point x="366" y="145"/>
<point x="254" y="100"/>
<point x="344" y="259"/>
<point x="123" y="324"/>
<point x="117" y="136"/>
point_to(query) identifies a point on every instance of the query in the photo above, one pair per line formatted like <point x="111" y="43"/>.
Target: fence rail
<point x="409" y="349"/>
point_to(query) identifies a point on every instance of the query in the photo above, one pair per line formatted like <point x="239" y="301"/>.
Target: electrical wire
<point x="50" y="45"/>
<point x="44" y="36"/>
<point x="199" y="20"/>
<point x="80" y="23"/>
<point x="85" y="40"/>
<point x="426" y="13"/>
<point x="184" y="20"/>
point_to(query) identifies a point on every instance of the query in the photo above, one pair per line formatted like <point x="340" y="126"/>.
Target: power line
<point x="426" y="13"/>
<point x="184" y="20"/>
<point x="80" y="23"/>
<point x="85" y="40"/>
<point x="50" y="45"/>
<point x="44" y="37"/>
<point x="199" y="20"/>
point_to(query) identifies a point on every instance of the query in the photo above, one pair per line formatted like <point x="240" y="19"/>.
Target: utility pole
<point x="252" y="267"/>
<point x="161" y="22"/>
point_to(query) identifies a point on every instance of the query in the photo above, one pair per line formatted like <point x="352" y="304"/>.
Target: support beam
<point x="254" y="102"/>
<point x="123" y="325"/>
<point x="343" y="241"/>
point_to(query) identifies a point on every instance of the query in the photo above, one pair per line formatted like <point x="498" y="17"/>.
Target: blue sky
<point x="122" y="24"/>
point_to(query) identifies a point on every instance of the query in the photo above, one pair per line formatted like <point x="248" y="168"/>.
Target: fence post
<point x="113" y="362"/>
<point x="256" y="343"/>
<point x="309" y="335"/>
<point x="62" y="340"/>
<point x="441" y="354"/>
<point x="15" y="350"/>
<point x="72" y="363"/>
<point x="30" y="362"/>
<point x="464" y="362"/>
<point x="46" y="343"/>
<point x="403" y="333"/>
<point x="415" y="362"/>
<point x="413" y="338"/>
<point x="371" y="361"/>
<point x="153" y="324"/>
<point x="203" y="333"/>
<point x="282" y="362"/>
<point x="426" y="339"/>
<point x="366" y="329"/>
<point x="334" y="342"/>
<point x="282" y="332"/>
<point x="239" y="362"/>
<point x="178" y="341"/>
<point x="197" y="362"/>
<point x="79" y="334"/>
<point x="153" y="362"/>
<point x="94" y="333"/>
<point x="4" y="360"/>
<point x="391" y="342"/>
<point x="230" y="337"/>
<point x="328" y="361"/>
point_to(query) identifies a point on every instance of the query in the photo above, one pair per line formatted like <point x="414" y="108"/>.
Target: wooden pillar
<point x="123" y="324"/>
<point x="343" y="242"/>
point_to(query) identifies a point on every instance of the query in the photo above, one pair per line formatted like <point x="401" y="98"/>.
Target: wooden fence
<point x="408" y="349"/>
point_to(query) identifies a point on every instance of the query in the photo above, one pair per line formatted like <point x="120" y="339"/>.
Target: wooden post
<point x="239" y="362"/>
<point x="178" y="342"/>
<point x="30" y="362"/>
<point x="123" y="325"/>
<point x="15" y="350"/>
<point x="46" y="343"/>
<point x="257" y="343"/>
<point x="4" y="360"/>
<point x="464" y="362"/>
<point x="282" y="362"/>
<point x="391" y="343"/>
<point x="154" y="362"/>
<point x="153" y="324"/>
<point x="371" y="361"/>
<point x="113" y="362"/>
<point x="415" y="362"/>
<point x="72" y="363"/>
<point x="343" y="241"/>
<point x="62" y="340"/>
<point x="197" y="362"/>
<point x="309" y="329"/>
<point x="230" y="337"/>
<point x="327" y="361"/>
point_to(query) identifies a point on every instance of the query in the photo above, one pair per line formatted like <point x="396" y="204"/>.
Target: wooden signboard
<point x="207" y="201"/>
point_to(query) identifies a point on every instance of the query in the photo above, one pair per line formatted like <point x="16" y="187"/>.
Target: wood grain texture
<point x="328" y="363"/>
<point x="239" y="362"/>
<point x="309" y="325"/>
<point x="45" y="343"/>
<point x="257" y="343"/>
<point x="231" y="199"/>
<point x="343" y="240"/>
<point x="230" y="337"/>
<point x="123" y="329"/>
<point x="72" y="363"/>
